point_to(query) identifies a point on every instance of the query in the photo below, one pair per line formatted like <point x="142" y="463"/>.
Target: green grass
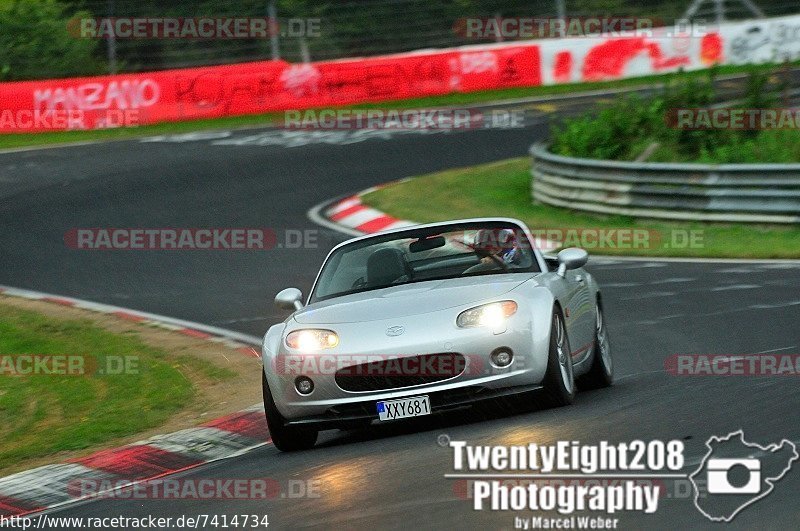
<point x="633" y="126"/>
<point x="455" y="99"/>
<point x="503" y="189"/>
<point x="43" y="414"/>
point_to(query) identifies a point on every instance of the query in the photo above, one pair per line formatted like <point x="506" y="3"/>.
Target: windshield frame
<point x="419" y="231"/>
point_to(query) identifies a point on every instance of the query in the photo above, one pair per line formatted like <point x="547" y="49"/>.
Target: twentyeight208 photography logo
<point x="738" y="473"/>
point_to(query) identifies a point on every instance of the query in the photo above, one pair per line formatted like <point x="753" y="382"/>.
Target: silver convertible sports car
<point x="430" y="319"/>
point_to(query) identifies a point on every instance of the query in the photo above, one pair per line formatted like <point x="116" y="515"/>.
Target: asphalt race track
<point x="393" y="477"/>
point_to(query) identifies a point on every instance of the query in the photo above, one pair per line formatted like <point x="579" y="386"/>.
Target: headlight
<point x="310" y="340"/>
<point x="491" y="315"/>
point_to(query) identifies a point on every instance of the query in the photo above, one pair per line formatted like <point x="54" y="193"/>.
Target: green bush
<point x="623" y="130"/>
<point x="599" y="135"/>
<point x="776" y="146"/>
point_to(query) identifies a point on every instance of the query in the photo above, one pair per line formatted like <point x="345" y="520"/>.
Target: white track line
<point x="107" y="308"/>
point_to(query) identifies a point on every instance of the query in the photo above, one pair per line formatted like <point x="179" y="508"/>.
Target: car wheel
<point x="601" y="373"/>
<point x="285" y="438"/>
<point x="559" y="380"/>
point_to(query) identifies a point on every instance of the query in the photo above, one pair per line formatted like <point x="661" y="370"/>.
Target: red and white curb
<point x="51" y="486"/>
<point x="352" y="216"/>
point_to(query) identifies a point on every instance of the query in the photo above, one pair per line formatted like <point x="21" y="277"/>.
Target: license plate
<point x="414" y="406"/>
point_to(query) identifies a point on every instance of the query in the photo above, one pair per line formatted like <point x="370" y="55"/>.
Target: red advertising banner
<point x="258" y="87"/>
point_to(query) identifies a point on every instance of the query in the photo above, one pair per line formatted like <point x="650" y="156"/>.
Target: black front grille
<point x="401" y="372"/>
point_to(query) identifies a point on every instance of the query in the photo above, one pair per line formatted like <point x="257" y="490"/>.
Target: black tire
<point x="559" y="380"/>
<point x="601" y="373"/>
<point x="285" y="438"/>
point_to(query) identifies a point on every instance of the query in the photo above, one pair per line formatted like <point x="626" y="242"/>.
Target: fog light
<point x="304" y="385"/>
<point x="502" y="357"/>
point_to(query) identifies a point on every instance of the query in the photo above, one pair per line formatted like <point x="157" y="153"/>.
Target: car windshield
<point x="418" y="255"/>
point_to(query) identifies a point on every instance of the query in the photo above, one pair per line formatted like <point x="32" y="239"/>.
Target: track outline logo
<point x="770" y="481"/>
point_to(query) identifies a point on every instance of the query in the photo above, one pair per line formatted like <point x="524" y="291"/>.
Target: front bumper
<point x="359" y="413"/>
<point x="432" y="333"/>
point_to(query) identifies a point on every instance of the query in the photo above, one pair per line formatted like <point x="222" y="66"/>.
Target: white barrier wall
<point x="763" y="41"/>
<point x="584" y="59"/>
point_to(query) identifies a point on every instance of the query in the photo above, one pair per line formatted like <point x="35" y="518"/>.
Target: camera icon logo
<point x="735" y="473"/>
<point x="718" y="476"/>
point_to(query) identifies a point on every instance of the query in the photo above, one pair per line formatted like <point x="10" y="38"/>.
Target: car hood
<point x="409" y="299"/>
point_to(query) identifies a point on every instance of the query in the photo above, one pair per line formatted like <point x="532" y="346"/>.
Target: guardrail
<point x="756" y="193"/>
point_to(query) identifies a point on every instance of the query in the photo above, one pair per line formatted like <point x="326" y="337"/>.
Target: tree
<point x="35" y="43"/>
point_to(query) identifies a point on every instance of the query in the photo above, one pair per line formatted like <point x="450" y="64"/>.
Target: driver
<point x="497" y="249"/>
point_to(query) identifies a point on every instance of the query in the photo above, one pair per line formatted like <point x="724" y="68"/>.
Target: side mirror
<point x="571" y="258"/>
<point x="289" y="299"/>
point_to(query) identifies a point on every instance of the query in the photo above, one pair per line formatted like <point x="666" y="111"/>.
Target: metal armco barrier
<point x="756" y="193"/>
